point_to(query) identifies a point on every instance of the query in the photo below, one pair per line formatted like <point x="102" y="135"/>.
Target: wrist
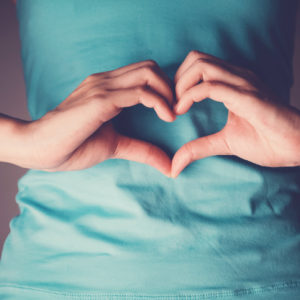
<point x="14" y="141"/>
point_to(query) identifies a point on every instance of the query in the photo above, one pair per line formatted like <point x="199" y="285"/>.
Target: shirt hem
<point x="219" y="294"/>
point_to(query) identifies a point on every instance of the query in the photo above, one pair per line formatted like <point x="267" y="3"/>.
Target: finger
<point x="143" y="152"/>
<point x="95" y="77"/>
<point x="203" y="69"/>
<point x="194" y="55"/>
<point x="144" y="68"/>
<point x="121" y="70"/>
<point x="210" y="145"/>
<point x="148" y="74"/>
<point x="243" y="103"/>
<point x="139" y="95"/>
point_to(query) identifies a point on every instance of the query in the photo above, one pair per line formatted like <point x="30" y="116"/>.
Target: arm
<point x="13" y="141"/>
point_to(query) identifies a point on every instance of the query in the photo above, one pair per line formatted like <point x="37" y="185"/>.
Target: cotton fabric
<point x="224" y="229"/>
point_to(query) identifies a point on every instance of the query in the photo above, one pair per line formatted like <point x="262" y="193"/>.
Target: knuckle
<point x="86" y="80"/>
<point x="151" y="63"/>
<point x="194" y="53"/>
<point x="99" y="75"/>
<point x="146" y="73"/>
<point x="209" y="86"/>
<point x="202" y="60"/>
<point x="141" y="89"/>
<point x="206" y="64"/>
<point x="90" y="79"/>
<point x="206" y="67"/>
<point x="149" y="70"/>
<point x="202" y="63"/>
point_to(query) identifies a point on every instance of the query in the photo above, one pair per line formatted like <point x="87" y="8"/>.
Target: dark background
<point x="13" y="102"/>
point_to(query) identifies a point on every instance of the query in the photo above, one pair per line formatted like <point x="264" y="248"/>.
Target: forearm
<point x="14" y="147"/>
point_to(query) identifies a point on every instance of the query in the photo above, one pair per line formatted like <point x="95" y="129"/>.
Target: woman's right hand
<point x="78" y="134"/>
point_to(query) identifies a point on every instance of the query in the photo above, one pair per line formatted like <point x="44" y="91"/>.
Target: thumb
<point x="143" y="152"/>
<point x="214" y="144"/>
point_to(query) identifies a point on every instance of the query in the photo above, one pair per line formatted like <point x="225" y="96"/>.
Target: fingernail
<point x="168" y="174"/>
<point x="173" y="174"/>
<point x="177" y="108"/>
<point x="172" y="117"/>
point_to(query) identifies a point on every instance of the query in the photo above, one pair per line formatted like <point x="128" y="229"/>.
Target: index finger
<point x="194" y="55"/>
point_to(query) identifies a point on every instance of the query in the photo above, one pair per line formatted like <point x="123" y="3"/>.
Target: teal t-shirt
<point x="224" y="229"/>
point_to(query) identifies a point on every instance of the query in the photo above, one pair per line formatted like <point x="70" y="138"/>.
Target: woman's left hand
<point x="258" y="129"/>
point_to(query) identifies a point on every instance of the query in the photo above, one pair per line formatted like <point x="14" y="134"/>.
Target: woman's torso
<point x="223" y="227"/>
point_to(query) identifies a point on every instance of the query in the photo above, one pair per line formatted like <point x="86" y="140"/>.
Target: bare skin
<point x="78" y="134"/>
<point x="258" y="129"/>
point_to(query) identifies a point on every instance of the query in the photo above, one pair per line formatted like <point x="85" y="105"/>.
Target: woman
<point x="96" y="222"/>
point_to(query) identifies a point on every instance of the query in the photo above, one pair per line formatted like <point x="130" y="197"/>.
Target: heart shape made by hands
<point x="255" y="129"/>
<point x="187" y="79"/>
